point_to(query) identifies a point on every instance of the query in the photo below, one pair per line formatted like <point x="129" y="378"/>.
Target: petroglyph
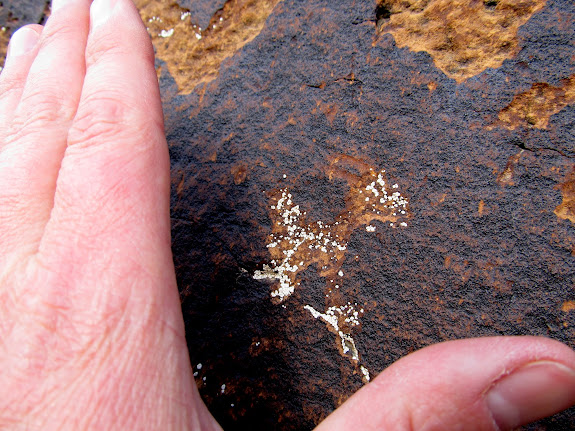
<point x="296" y="244"/>
<point x="340" y="320"/>
<point x="464" y="37"/>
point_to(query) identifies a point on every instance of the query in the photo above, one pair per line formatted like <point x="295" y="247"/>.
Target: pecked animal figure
<point x="295" y="242"/>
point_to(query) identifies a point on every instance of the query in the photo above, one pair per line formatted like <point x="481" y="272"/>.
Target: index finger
<point x="112" y="191"/>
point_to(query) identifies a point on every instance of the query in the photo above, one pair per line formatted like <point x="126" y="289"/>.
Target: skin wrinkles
<point x="91" y="330"/>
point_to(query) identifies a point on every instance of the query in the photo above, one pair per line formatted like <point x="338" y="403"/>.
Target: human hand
<point x="493" y="383"/>
<point x="91" y="332"/>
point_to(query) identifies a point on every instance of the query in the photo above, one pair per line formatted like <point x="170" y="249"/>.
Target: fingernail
<point x="532" y="392"/>
<point x="57" y="4"/>
<point x="22" y="42"/>
<point x="100" y="11"/>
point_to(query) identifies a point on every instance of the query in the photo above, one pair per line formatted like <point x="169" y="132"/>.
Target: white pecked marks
<point x="365" y="373"/>
<point x="166" y="33"/>
<point x="332" y="317"/>
<point x="295" y="243"/>
<point x="340" y="320"/>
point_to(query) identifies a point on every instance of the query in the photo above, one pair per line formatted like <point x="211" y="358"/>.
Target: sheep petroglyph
<point x="296" y="243"/>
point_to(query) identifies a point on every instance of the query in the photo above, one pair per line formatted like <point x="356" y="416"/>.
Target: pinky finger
<point x="22" y="51"/>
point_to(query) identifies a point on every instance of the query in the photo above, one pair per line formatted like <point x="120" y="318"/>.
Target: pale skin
<point x="91" y="331"/>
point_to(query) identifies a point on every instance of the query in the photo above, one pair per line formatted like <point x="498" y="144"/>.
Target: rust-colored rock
<point x="464" y="37"/>
<point x="535" y="107"/>
<point x="505" y="178"/>
<point x="4" y="39"/>
<point x="566" y="210"/>
<point x="482" y="254"/>
<point x="193" y="54"/>
<point x="322" y="94"/>
<point x="297" y="243"/>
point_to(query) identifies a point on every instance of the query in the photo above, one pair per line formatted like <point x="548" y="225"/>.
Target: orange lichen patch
<point x="193" y="54"/>
<point x="239" y="172"/>
<point x="505" y="178"/>
<point x="4" y="40"/>
<point x="568" y="306"/>
<point x="464" y="37"/>
<point x="566" y="209"/>
<point x="481" y="207"/>
<point x="534" y="107"/>
<point x="296" y="243"/>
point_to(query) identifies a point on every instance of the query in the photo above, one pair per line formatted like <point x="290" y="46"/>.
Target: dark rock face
<point x="203" y="11"/>
<point x="21" y="12"/>
<point x="483" y="252"/>
<point x="311" y="111"/>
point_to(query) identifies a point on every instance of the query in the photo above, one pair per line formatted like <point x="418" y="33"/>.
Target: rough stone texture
<point x="193" y="41"/>
<point x="322" y="94"/>
<point x="463" y="37"/>
<point x="483" y="253"/>
<point x="15" y="13"/>
<point x="566" y="210"/>
<point x="536" y="106"/>
<point x="203" y="11"/>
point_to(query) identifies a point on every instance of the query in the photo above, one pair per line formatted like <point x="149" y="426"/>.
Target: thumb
<point x="495" y="383"/>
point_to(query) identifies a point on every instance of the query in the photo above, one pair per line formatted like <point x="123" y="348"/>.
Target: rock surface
<point x="16" y="13"/>
<point x="308" y="102"/>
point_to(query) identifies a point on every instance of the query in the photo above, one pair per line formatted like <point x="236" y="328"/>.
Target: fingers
<point x="480" y="384"/>
<point x="21" y="53"/>
<point x="113" y="185"/>
<point x="38" y="112"/>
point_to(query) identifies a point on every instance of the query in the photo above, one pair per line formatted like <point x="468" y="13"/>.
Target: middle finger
<point x="33" y="148"/>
